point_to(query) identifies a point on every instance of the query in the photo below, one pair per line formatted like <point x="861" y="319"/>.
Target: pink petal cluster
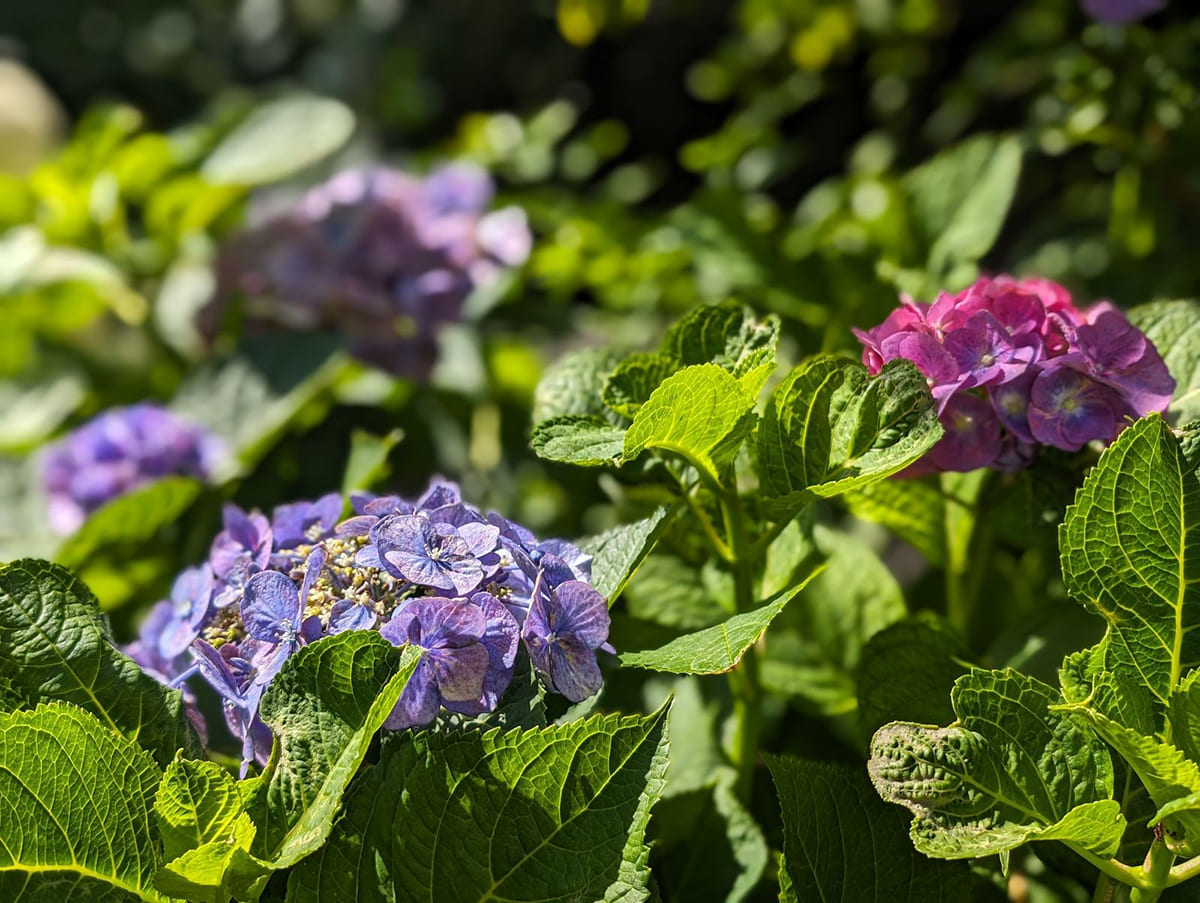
<point x="1014" y="364"/>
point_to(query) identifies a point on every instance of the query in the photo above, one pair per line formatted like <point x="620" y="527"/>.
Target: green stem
<point x="1126" y="874"/>
<point x="1184" y="871"/>
<point x="706" y="524"/>
<point x="1157" y="870"/>
<point x="743" y="680"/>
<point x="1104" y="890"/>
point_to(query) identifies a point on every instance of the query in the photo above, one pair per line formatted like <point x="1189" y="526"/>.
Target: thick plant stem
<point x="1157" y="869"/>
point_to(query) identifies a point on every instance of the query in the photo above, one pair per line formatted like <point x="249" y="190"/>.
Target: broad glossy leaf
<point x="220" y="869"/>
<point x="960" y="198"/>
<point x="1166" y="773"/>
<point x="131" y="518"/>
<point x="815" y="644"/>
<point x="581" y="439"/>
<point x="1007" y="771"/>
<point x="715" y="649"/>
<point x="1174" y="328"/>
<point x="1131" y="554"/>
<point x="279" y="138"/>
<point x="927" y="656"/>
<point x="842" y="843"/>
<point x="368" y="461"/>
<point x="251" y="397"/>
<point x="700" y="413"/>
<point x="198" y="801"/>
<point x="56" y="645"/>
<point x="550" y="814"/>
<point x="829" y="428"/>
<point x="619" y="552"/>
<point x="572" y="385"/>
<point x="75" y="799"/>
<point x="633" y="380"/>
<point x="324" y="708"/>
<point x="673" y="593"/>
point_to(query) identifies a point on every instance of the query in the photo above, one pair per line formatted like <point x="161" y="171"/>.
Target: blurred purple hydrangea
<point x="1013" y="365"/>
<point x="1121" y="12"/>
<point x="465" y="588"/>
<point x="120" y="450"/>
<point x="384" y="257"/>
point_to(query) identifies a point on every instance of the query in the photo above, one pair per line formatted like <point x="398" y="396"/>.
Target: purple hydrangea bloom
<point x="381" y="256"/>
<point x="434" y="553"/>
<point x="436" y="572"/>
<point x="467" y="654"/>
<point x="118" y="451"/>
<point x="564" y="628"/>
<point x="273" y="613"/>
<point x="1014" y="364"/>
<point x="1121" y="12"/>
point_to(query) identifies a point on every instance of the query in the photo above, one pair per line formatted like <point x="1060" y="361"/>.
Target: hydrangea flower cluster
<point x="117" y="451"/>
<point x="384" y="257"/>
<point x="466" y="588"/>
<point x="1014" y="364"/>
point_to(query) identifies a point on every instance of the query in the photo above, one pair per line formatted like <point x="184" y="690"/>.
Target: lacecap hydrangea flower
<point x="382" y="256"/>
<point x="467" y="589"/>
<point x="120" y="450"/>
<point x="1014" y="364"/>
<point x="1121" y="12"/>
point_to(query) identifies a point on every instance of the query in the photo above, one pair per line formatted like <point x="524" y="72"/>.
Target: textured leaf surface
<point x="829" y="428"/>
<point x="198" y="801"/>
<point x="131" y="518"/>
<point x="1007" y="771"/>
<point x="75" y="801"/>
<point x="573" y="383"/>
<point x="55" y="645"/>
<point x="220" y="869"/>
<point x="842" y="843"/>
<point x="715" y="649"/>
<point x="548" y="814"/>
<point x="581" y="439"/>
<point x="701" y="413"/>
<point x="1131" y="553"/>
<point x="617" y="553"/>
<point x="633" y="381"/>
<point x="1174" y="328"/>
<point x="324" y="707"/>
<point x="726" y="334"/>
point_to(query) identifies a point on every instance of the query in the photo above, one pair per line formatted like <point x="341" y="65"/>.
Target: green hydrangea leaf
<point x="279" y="138"/>
<point x="630" y="385"/>
<point x="198" y="801"/>
<point x="75" y="800"/>
<point x="1174" y="328"/>
<point x="580" y="439"/>
<point x="131" y="518"/>
<point x="1129" y="549"/>
<point x="368" y="465"/>
<point x="619" y="552"/>
<point x="726" y="334"/>
<point x="1008" y="770"/>
<point x="829" y="428"/>
<point x="1166" y="773"/>
<point x="572" y="385"/>
<point x="557" y="813"/>
<point x="219" y="869"/>
<point x="929" y="655"/>
<point x="715" y="649"/>
<point x="700" y="413"/>
<point x="324" y="707"/>
<point x="841" y="842"/>
<point x="912" y="509"/>
<point x="960" y="198"/>
<point x="56" y="645"/>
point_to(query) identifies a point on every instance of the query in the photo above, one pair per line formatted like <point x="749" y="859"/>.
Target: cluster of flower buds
<point x="384" y="257"/>
<point x="465" y="588"/>
<point x="118" y="451"/>
<point x="1013" y="364"/>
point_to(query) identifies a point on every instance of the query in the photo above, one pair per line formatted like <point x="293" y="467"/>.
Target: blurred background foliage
<point x="811" y="158"/>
